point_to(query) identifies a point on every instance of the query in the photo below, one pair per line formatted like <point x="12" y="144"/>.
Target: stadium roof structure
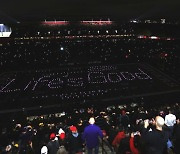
<point x="15" y="10"/>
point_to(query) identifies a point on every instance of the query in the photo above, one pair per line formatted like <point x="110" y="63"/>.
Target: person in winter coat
<point x="74" y="141"/>
<point x="53" y="144"/>
<point x="91" y="136"/>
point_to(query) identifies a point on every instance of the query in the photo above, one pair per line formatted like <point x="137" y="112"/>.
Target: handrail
<point x="103" y="142"/>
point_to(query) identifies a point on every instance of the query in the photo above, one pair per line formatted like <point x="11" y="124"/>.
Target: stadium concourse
<point x="54" y="71"/>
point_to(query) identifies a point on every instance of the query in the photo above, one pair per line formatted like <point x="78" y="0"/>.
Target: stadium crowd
<point x="132" y="128"/>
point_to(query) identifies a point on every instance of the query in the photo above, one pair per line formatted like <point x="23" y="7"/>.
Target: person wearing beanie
<point x="62" y="134"/>
<point x="74" y="141"/>
<point x="53" y="144"/>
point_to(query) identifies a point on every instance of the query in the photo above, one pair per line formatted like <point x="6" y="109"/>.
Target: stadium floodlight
<point x="5" y="31"/>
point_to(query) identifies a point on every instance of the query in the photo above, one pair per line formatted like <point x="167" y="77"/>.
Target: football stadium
<point x="82" y="80"/>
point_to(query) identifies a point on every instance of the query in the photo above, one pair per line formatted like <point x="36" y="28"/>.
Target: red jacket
<point x="118" y="138"/>
<point x="134" y="150"/>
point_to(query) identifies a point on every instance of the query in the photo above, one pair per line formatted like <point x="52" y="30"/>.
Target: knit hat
<point x="52" y="136"/>
<point x="61" y="134"/>
<point x="73" y="128"/>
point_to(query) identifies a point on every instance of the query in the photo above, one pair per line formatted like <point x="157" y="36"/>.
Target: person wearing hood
<point x="74" y="141"/>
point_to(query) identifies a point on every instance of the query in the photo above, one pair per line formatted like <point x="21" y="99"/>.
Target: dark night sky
<point x="121" y="9"/>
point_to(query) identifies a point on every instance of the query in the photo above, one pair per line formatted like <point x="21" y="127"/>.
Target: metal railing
<point x="105" y="143"/>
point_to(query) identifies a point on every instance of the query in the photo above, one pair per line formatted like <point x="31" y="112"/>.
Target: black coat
<point x="53" y="146"/>
<point x="74" y="143"/>
<point x="155" y="141"/>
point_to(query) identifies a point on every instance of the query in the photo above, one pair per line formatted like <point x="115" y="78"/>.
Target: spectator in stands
<point x="30" y="149"/>
<point x="25" y="142"/>
<point x="62" y="137"/>
<point x="124" y="146"/>
<point x="155" y="140"/>
<point x="135" y="143"/>
<point x="113" y="131"/>
<point x="176" y="135"/>
<point x="120" y="135"/>
<point x="74" y="141"/>
<point x="170" y="120"/>
<point x="91" y="136"/>
<point x="123" y="119"/>
<point x="53" y="144"/>
<point x="62" y="150"/>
